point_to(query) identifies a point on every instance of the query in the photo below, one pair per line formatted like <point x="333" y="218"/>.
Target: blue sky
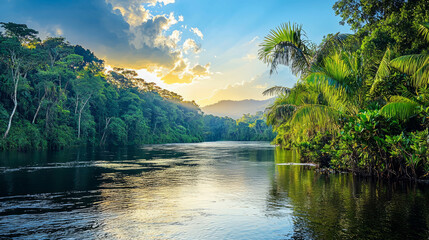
<point x="204" y="50"/>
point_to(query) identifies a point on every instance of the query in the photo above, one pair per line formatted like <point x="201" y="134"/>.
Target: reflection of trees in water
<point x="341" y="206"/>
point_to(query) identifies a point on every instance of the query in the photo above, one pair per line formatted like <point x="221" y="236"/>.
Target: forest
<point x="54" y="95"/>
<point x="361" y="103"/>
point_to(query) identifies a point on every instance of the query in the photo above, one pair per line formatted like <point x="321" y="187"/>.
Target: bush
<point x="23" y="136"/>
<point x="373" y="145"/>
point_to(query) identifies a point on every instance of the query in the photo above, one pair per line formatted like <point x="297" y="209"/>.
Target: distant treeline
<point x="54" y="95"/>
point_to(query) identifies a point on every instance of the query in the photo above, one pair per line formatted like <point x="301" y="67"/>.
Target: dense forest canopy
<point x="54" y="94"/>
<point x="362" y="100"/>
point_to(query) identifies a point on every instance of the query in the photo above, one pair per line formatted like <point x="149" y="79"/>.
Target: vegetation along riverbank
<point x="54" y="95"/>
<point x="362" y="100"/>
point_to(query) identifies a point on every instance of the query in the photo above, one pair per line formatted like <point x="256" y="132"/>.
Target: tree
<point x="288" y="45"/>
<point x="416" y="66"/>
<point x="21" y="32"/>
<point x="85" y="86"/>
<point x="19" y="59"/>
<point x="384" y="24"/>
<point x="57" y="48"/>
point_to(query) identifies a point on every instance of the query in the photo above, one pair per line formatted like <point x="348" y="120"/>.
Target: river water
<point x="212" y="190"/>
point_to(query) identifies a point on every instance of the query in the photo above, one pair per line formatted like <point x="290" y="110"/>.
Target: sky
<point x="204" y="50"/>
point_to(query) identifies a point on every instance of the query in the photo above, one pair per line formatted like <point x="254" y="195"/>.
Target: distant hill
<point x="236" y="109"/>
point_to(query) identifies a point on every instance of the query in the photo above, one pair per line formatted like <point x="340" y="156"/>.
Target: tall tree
<point x="19" y="59"/>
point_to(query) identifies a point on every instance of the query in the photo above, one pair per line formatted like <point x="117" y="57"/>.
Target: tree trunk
<point x="15" y="76"/>
<point x="77" y="103"/>
<point x="38" y="108"/>
<point x="11" y="117"/>
<point x="78" y="125"/>
<point x="103" y="140"/>
<point x="80" y="116"/>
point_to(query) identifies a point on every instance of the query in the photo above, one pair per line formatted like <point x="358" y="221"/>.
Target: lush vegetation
<point x="54" y="95"/>
<point x="362" y="100"/>
<point x="247" y="128"/>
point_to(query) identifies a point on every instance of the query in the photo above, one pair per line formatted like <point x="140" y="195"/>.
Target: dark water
<point x="221" y="190"/>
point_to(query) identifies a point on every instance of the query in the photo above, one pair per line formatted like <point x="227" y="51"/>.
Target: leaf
<point x="285" y="45"/>
<point x="400" y="107"/>
<point x="276" y="90"/>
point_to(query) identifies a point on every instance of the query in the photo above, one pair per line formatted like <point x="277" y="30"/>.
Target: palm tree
<point x="329" y="86"/>
<point x="416" y="66"/>
<point x="288" y="45"/>
<point x="330" y="90"/>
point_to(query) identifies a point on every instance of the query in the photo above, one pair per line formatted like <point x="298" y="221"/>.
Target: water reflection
<point x="342" y="206"/>
<point x="222" y="190"/>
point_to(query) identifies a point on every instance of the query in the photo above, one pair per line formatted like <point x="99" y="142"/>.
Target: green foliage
<point x="247" y="128"/>
<point x="61" y="96"/>
<point x="64" y="98"/>
<point x="361" y="144"/>
<point x="23" y="136"/>
<point x="362" y="105"/>
<point x="373" y="145"/>
<point x="286" y="45"/>
<point x="383" y="24"/>
<point x="317" y="148"/>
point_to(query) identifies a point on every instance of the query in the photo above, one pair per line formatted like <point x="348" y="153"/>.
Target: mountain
<point x="236" y="109"/>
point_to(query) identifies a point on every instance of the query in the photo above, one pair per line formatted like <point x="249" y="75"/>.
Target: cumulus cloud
<point x="197" y="32"/>
<point x="199" y="70"/>
<point x="133" y="14"/>
<point x="140" y="2"/>
<point x="150" y="34"/>
<point x="184" y="73"/>
<point x="125" y="33"/>
<point x="175" y="36"/>
<point x="191" y="45"/>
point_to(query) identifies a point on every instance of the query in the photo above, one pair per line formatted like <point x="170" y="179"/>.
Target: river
<point x="211" y="190"/>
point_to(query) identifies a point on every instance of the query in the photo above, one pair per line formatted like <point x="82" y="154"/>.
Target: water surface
<point x="214" y="190"/>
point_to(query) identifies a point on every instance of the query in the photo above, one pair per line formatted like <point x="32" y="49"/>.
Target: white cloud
<point x="253" y="40"/>
<point x="189" y="45"/>
<point x="197" y="32"/>
<point x="183" y="73"/>
<point x="176" y="36"/>
<point x="134" y="14"/>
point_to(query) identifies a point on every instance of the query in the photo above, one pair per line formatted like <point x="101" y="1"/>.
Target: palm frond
<point x="338" y="81"/>
<point x="331" y="44"/>
<point x="409" y="64"/>
<point x="382" y="73"/>
<point x="309" y="118"/>
<point x="279" y="113"/>
<point x="336" y="68"/>
<point x="285" y="45"/>
<point x="421" y="76"/>
<point x="276" y="90"/>
<point x="397" y="98"/>
<point x="415" y="65"/>
<point x="400" y="107"/>
<point x="399" y="110"/>
<point x="424" y="30"/>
